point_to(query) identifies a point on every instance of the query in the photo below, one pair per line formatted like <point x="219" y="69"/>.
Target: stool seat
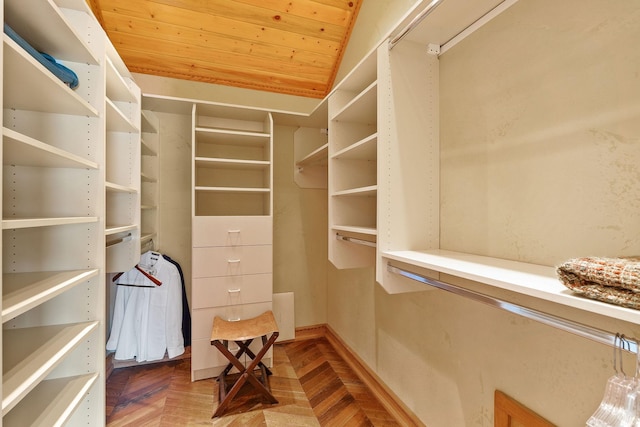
<point x="229" y="330"/>
<point x="243" y="332"/>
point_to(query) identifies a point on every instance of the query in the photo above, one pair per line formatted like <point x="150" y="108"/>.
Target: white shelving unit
<point x="123" y="130"/>
<point x="353" y="158"/>
<point x="149" y="176"/>
<point x="232" y="220"/>
<point x="67" y="171"/>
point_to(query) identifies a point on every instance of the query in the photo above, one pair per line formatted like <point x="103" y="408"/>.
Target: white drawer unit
<point x="231" y="260"/>
<point x="231" y="231"/>
<point x="232" y="224"/>
<point x="231" y="290"/>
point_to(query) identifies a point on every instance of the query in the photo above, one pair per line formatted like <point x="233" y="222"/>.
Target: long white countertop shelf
<point x="534" y="280"/>
<point x="31" y="353"/>
<point x="23" y="291"/>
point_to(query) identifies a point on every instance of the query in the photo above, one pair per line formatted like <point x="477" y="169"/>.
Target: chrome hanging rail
<point x="576" y="328"/>
<point x="355" y="240"/>
<point x="414" y="22"/>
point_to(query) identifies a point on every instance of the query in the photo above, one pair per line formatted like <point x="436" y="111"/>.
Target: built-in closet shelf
<point x="15" y="223"/>
<point x="29" y="354"/>
<point x="147" y="150"/>
<point x="533" y="280"/>
<point x="117" y="88"/>
<point x="361" y="109"/>
<point x="23" y="291"/>
<point x="231" y="137"/>
<point x="117" y="121"/>
<point x="365" y="149"/>
<point x="19" y="149"/>
<point x="48" y="29"/>
<point x="368" y="191"/>
<point x="369" y="231"/>
<point x="209" y="162"/>
<point x="50" y="403"/>
<point x="113" y="187"/>
<point x="44" y="92"/>
<point x="148" y="124"/>
<point x="148" y="207"/>
<point x="317" y="156"/>
<point x="147" y="178"/>
<point x="115" y="229"/>
<point x="233" y="189"/>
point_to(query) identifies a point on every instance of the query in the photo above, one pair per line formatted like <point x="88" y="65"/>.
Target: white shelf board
<point x="19" y="149"/>
<point x="117" y="188"/>
<point x="148" y="207"/>
<point x="146" y="237"/>
<point x="112" y="229"/>
<point x="117" y="121"/>
<point x="232" y="189"/>
<point x="147" y="178"/>
<point x="210" y="162"/>
<point x="44" y="92"/>
<point x="534" y="280"/>
<point x="146" y="149"/>
<point x="117" y="88"/>
<point x="370" y="231"/>
<point x="318" y="155"/>
<point x="29" y="354"/>
<point x="15" y="223"/>
<point x="365" y="149"/>
<point x="149" y="122"/>
<point x="232" y="137"/>
<point x="362" y="108"/>
<point x="23" y="291"/>
<point x="369" y="191"/>
<point x="47" y="30"/>
<point x="50" y="403"/>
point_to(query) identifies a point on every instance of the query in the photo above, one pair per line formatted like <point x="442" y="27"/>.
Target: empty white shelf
<point x="29" y="354"/>
<point x="365" y="149"/>
<point x="22" y="150"/>
<point x="15" y="223"/>
<point x="115" y="229"/>
<point x="362" y="108"/>
<point x="371" y="231"/>
<point x="117" y="121"/>
<point x="368" y="191"/>
<point x="233" y="189"/>
<point x="117" y="87"/>
<point x="50" y="403"/>
<point x="318" y="155"/>
<point x="223" y="163"/>
<point x="113" y="187"/>
<point x="23" y="291"/>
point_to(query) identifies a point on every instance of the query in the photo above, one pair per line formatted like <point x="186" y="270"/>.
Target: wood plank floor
<point x="313" y="385"/>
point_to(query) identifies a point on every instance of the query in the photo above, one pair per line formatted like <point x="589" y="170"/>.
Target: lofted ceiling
<point x="285" y="46"/>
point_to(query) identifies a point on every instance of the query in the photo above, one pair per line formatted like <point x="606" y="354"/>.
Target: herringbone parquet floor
<point x="313" y="385"/>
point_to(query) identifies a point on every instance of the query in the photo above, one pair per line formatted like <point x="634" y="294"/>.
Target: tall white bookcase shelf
<point x="353" y="160"/>
<point x="149" y="179"/>
<point x="69" y="168"/>
<point x="232" y="220"/>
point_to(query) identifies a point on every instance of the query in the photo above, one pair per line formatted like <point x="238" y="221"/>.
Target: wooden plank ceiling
<point x="284" y="46"/>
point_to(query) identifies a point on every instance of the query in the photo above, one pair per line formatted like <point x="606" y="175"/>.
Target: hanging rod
<point x="116" y="241"/>
<point x="414" y="22"/>
<point x="576" y="328"/>
<point x="355" y="240"/>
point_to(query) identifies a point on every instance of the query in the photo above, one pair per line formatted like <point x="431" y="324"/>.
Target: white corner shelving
<point x="149" y="176"/>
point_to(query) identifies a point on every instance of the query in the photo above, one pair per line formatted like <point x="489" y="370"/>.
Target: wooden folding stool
<point x="243" y="332"/>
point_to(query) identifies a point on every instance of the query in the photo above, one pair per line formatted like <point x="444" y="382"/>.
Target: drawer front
<point x="205" y="356"/>
<point x="232" y="261"/>
<point x="202" y="319"/>
<point x="231" y="290"/>
<point x="232" y="231"/>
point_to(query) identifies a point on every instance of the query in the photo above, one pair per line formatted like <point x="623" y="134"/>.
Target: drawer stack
<point x="232" y="278"/>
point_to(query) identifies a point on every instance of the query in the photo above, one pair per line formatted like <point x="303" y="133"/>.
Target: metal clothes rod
<point x="355" y="240"/>
<point x="414" y="23"/>
<point x="116" y="241"/>
<point x="576" y="328"/>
